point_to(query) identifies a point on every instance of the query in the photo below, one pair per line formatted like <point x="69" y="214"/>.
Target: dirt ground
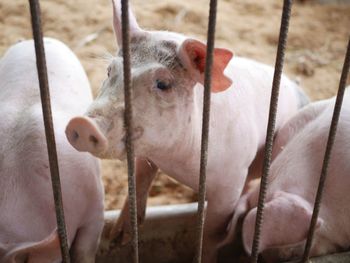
<point x="315" y="51"/>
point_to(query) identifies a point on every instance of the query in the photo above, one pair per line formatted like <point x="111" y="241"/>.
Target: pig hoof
<point x="119" y="236"/>
<point x="121" y="239"/>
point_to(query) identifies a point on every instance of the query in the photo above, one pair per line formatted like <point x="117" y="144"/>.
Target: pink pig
<point x="295" y="172"/>
<point x="28" y="231"/>
<point x="167" y="77"/>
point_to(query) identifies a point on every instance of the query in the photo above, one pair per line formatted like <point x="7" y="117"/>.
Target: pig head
<point x="165" y="69"/>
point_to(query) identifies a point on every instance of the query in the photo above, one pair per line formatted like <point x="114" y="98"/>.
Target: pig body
<point x="27" y="218"/>
<point x="293" y="182"/>
<point x="167" y="77"/>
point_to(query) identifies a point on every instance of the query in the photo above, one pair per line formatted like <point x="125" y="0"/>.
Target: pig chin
<point x="117" y="152"/>
<point x="116" y="147"/>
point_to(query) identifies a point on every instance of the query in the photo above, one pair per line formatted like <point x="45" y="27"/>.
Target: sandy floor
<point x="315" y="51"/>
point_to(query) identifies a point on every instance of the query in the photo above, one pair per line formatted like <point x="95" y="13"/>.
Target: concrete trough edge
<point x="168" y="236"/>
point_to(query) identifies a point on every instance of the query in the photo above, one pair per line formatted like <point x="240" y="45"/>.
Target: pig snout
<point x="84" y="135"/>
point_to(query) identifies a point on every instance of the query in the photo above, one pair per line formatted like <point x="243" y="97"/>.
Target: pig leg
<point x="45" y="251"/>
<point x="218" y="217"/>
<point x="145" y="173"/>
<point x="215" y="230"/>
<point x="219" y="213"/>
<point x="86" y="241"/>
<point x="241" y="209"/>
<point x="255" y="171"/>
<point x="282" y="209"/>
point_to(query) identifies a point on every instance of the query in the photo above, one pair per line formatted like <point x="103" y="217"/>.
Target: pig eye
<point x="109" y="71"/>
<point x="162" y="85"/>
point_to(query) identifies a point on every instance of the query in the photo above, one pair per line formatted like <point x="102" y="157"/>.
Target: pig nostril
<point x="93" y="139"/>
<point x="75" y="135"/>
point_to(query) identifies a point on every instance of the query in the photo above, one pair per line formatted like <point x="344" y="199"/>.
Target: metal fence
<point x="51" y="146"/>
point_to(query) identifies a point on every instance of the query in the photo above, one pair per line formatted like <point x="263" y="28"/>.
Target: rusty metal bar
<point x="49" y="130"/>
<point x="287" y="5"/>
<point x="328" y="152"/>
<point x="129" y="128"/>
<point x="205" y="128"/>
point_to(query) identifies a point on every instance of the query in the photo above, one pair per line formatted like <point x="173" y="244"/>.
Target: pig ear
<point x="47" y="250"/>
<point x="193" y="55"/>
<point x="117" y="21"/>
<point x="286" y="222"/>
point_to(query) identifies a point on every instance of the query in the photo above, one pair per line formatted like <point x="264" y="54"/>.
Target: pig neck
<point x="230" y="145"/>
<point x="180" y="158"/>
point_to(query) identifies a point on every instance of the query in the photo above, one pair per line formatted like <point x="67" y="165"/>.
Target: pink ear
<point x="46" y="250"/>
<point x="193" y="54"/>
<point x="117" y="21"/>
<point x="286" y="222"/>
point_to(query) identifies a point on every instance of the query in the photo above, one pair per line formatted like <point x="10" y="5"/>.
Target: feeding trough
<point x="168" y="236"/>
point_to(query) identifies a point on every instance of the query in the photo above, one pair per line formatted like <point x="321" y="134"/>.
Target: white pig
<point x="167" y="77"/>
<point x="28" y="231"/>
<point x="293" y="181"/>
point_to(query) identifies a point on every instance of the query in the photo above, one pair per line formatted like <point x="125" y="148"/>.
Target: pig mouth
<point x="119" y="149"/>
<point x="136" y="134"/>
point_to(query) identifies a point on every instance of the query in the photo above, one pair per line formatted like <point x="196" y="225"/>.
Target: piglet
<point x="28" y="231"/>
<point x="293" y="181"/>
<point x="167" y="71"/>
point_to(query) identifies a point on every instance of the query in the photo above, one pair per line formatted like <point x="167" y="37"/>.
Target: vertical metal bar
<point x="129" y="127"/>
<point x="328" y="152"/>
<point x="271" y="125"/>
<point x="49" y="130"/>
<point x="205" y="127"/>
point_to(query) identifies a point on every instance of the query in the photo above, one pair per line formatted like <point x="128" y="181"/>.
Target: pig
<point x="27" y="220"/>
<point x="292" y="185"/>
<point x="167" y="71"/>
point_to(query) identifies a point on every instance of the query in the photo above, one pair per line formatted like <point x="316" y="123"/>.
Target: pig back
<point x="249" y="97"/>
<point x="68" y="83"/>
